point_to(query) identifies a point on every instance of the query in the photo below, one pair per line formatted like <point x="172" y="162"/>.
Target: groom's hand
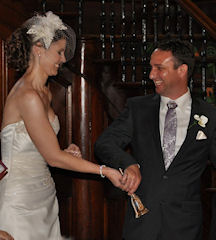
<point x="131" y="178"/>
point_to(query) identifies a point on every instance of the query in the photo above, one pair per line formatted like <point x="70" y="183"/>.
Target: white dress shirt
<point x="183" y="112"/>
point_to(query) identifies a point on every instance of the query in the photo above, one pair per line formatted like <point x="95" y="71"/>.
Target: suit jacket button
<point x="165" y="177"/>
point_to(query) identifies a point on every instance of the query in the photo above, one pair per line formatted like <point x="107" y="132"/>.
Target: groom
<point x="170" y="146"/>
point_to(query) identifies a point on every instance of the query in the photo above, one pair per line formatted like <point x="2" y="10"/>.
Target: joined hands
<point x="131" y="179"/>
<point x="128" y="180"/>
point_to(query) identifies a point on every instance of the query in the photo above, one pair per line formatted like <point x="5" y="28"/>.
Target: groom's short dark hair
<point x="181" y="50"/>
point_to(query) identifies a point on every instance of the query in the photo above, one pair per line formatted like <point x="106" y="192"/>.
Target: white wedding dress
<point x="28" y="203"/>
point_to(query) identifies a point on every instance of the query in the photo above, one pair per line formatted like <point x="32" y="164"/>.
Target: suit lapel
<point x="192" y="130"/>
<point x="156" y="129"/>
<point x="155" y="120"/>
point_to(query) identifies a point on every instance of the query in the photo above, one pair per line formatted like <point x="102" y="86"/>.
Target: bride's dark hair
<point x="18" y="47"/>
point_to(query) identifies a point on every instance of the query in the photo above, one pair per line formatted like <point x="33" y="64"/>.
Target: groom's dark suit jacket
<point x="172" y="196"/>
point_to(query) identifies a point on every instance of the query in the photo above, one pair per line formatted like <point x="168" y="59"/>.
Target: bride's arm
<point x="36" y="121"/>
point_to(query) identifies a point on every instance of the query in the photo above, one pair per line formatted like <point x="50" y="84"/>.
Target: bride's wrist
<point x="103" y="171"/>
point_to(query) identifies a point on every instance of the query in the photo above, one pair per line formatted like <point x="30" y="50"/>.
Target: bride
<point x="28" y="204"/>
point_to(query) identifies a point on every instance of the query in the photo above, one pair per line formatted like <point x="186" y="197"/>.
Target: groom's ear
<point x="183" y="70"/>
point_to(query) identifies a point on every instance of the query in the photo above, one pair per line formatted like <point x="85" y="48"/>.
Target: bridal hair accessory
<point x="137" y="204"/>
<point x="46" y="28"/>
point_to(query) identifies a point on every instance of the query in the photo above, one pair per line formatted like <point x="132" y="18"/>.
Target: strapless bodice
<point x="25" y="164"/>
<point x="28" y="203"/>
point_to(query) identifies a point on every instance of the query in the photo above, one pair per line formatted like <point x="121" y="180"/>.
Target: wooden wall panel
<point x="7" y="77"/>
<point x="90" y="208"/>
<point x="3" y="78"/>
<point x="61" y="103"/>
<point x="12" y="14"/>
<point x="87" y="189"/>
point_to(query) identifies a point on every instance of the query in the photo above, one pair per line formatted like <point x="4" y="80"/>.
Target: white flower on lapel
<point x="202" y="120"/>
<point x="201" y="135"/>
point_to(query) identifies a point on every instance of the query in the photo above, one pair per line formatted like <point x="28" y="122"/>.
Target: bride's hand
<point x="74" y="150"/>
<point x="113" y="175"/>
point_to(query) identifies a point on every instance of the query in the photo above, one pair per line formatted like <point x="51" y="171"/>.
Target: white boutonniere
<point x="200" y="120"/>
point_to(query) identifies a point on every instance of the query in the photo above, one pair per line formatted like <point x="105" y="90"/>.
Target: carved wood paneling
<point x="12" y="15"/>
<point x="3" y="78"/>
<point x="89" y="207"/>
<point x="61" y="103"/>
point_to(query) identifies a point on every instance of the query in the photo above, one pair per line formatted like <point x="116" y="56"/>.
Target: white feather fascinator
<point x="45" y="28"/>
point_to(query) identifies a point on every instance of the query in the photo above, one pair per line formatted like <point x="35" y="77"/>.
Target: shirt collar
<point x="182" y="101"/>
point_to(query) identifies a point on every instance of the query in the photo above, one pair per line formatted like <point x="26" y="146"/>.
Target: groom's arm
<point x="110" y="146"/>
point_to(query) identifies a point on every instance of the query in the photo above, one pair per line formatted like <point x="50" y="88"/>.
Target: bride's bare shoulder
<point x="24" y="91"/>
<point x="21" y="98"/>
